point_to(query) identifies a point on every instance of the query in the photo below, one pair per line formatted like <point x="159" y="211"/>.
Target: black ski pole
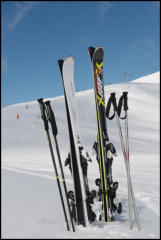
<point x="51" y="118"/>
<point x="43" y="116"/>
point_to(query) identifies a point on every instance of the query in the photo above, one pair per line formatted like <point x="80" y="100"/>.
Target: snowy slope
<point x="31" y="206"/>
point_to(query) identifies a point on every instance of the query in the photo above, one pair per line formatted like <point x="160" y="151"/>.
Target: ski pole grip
<point x="113" y="98"/>
<point x="51" y="118"/>
<point x="125" y="100"/>
<point x="43" y="116"/>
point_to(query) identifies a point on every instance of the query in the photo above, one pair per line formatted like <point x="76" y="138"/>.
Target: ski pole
<point x="126" y="156"/>
<point x="113" y="100"/>
<point x="43" y="116"/>
<point x="51" y="118"/>
<point x="125" y="151"/>
<point x="117" y="111"/>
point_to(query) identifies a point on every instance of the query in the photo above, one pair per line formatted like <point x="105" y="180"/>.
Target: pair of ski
<point x="125" y="148"/>
<point x="47" y="114"/>
<point x="67" y="72"/>
<point x="81" y="203"/>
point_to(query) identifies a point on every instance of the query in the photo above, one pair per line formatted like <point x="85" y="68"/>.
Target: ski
<point x="67" y="73"/>
<point x="96" y="56"/>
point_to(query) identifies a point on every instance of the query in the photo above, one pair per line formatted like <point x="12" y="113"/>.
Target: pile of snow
<point x="31" y="206"/>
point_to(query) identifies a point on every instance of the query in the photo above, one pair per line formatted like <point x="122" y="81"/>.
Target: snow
<point x="31" y="206"/>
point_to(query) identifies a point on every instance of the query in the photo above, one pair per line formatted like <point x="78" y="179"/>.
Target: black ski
<point x="96" y="56"/>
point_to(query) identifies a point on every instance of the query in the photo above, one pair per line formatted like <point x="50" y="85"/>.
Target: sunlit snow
<point x="31" y="206"/>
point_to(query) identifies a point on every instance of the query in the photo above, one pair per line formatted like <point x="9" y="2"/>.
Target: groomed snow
<point x="31" y="206"/>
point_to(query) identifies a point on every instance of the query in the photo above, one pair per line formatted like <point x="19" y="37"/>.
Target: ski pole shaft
<point x="134" y="205"/>
<point x="51" y="118"/>
<point x="128" y="172"/>
<point x="128" y="162"/>
<point x="64" y="182"/>
<point x="57" y="178"/>
<point x="42" y="108"/>
<point x="127" y="159"/>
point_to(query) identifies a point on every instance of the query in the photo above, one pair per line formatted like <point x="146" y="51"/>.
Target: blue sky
<point x="36" y="34"/>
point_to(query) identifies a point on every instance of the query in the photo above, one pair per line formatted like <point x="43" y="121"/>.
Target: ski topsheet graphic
<point x="96" y="56"/>
<point x="67" y="73"/>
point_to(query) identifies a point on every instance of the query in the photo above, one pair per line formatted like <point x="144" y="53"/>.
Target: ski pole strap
<point x="51" y="118"/>
<point x="111" y="101"/>
<point x="122" y="102"/>
<point x="43" y="115"/>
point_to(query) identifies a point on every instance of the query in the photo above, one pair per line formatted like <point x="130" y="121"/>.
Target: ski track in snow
<point x="31" y="206"/>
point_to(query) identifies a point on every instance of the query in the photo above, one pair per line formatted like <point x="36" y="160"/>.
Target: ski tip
<point x="60" y="63"/>
<point x="101" y="48"/>
<point x="68" y="61"/>
<point x="90" y="47"/>
<point x="70" y="57"/>
<point x="91" y="51"/>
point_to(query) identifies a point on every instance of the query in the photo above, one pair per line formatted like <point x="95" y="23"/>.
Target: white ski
<point x="68" y="78"/>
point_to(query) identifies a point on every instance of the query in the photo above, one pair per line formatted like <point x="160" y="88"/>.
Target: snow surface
<point x="31" y="206"/>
